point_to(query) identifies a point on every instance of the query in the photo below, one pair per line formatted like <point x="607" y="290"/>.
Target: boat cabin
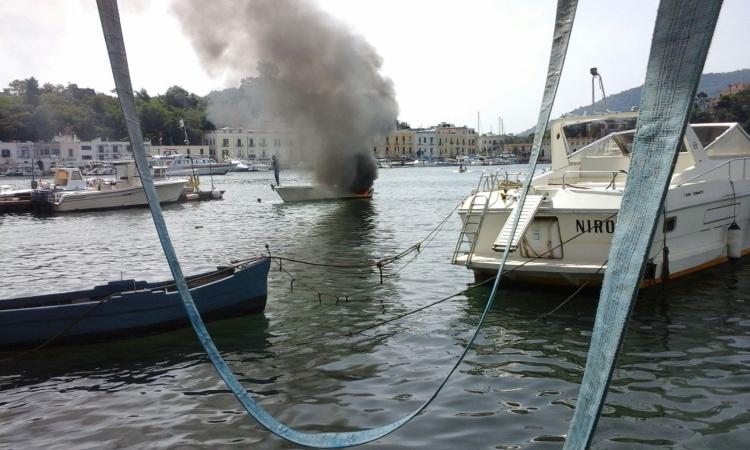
<point x="69" y="179"/>
<point x="607" y="159"/>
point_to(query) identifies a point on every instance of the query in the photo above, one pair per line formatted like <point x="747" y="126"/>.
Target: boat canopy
<point x="67" y="178"/>
<point x="615" y="144"/>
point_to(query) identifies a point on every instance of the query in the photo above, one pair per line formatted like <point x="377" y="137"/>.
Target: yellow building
<point x="443" y="141"/>
<point x="456" y="141"/>
<point x="399" y="144"/>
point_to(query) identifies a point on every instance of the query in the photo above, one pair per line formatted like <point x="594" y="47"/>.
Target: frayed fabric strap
<point x="682" y="36"/>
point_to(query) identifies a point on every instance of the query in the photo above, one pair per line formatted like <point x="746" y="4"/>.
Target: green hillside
<point x="711" y="83"/>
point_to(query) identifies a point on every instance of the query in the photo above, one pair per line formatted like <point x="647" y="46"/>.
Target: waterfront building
<point x="104" y="150"/>
<point x="63" y="150"/>
<point x="399" y="144"/>
<point x="490" y="144"/>
<point x="456" y="141"/>
<point x="440" y="142"/>
<point x="259" y="143"/>
<point x="427" y="144"/>
<point x="43" y="155"/>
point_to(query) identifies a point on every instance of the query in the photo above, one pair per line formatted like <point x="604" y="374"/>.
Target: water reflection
<point x="139" y="359"/>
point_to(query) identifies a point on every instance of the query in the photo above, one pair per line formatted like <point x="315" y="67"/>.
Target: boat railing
<point x="730" y="165"/>
<point x="498" y="180"/>
<point x="581" y="173"/>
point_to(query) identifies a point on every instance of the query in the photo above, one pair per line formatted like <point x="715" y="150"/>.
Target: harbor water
<point x="682" y="380"/>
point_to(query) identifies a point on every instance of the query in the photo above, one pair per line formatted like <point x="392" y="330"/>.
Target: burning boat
<point x="309" y="193"/>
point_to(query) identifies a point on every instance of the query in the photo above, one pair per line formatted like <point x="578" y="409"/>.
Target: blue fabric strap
<point x="682" y="36"/>
<point x="115" y="46"/>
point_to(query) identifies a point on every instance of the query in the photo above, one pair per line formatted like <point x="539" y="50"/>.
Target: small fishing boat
<point x="128" y="307"/>
<point x="14" y="200"/>
<point x="71" y="192"/>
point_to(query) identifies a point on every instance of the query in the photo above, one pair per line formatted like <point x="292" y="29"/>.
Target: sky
<point x="449" y="61"/>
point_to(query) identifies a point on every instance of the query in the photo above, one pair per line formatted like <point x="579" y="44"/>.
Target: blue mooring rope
<point x="682" y="36"/>
<point x="111" y="27"/>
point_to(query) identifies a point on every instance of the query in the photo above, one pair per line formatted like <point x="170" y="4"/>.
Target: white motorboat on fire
<point x="71" y="192"/>
<point x="566" y="224"/>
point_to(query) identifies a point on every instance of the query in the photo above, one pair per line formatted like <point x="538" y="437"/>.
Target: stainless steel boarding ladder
<point x="471" y="227"/>
<point x="527" y="213"/>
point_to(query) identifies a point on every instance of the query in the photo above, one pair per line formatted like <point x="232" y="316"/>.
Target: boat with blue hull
<point x="128" y="307"/>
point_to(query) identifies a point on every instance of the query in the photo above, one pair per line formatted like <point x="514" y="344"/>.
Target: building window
<point x="85" y="147"/>
<point x="23" y="153"/>
<point x="225" y="142"/>
<point x="239" y="142"/>
<point x="250" y="143"/>
<point x="201" y="151"/>
<point x="6" y="153"/>
<point x="100" y="149"/>
<point x="86" y="157"/>
<point x="70" y="153"/>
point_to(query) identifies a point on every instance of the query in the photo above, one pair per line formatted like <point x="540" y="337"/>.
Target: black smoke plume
<point x="302" y="67"/>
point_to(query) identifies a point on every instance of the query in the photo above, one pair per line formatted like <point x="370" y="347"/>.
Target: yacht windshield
<point x="615" y="144"/>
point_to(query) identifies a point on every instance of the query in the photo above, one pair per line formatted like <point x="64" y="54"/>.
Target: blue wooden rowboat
<point x="127" y="307"/>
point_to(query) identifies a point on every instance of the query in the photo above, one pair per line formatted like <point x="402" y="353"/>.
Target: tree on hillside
<point x="31" y="113"/>
<point x="727" y="108"/>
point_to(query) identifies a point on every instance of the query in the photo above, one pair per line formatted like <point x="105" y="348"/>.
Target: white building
<point x="100" y="150"/>
<point x="427" y="147"/>
<point x="253" y="143"/>
<point x="21" y="155"/>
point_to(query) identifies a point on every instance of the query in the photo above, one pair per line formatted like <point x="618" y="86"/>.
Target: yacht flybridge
<point x="570" y="214"/>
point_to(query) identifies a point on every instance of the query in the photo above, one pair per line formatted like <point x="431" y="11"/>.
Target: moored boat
<point x="569" y="217"/>
<point x="71" y="192"/>
<point x="238" y="165"/>
<point x="182" y="165"/>
<point x="14" y="200"/>
<point x="128" y="307"/>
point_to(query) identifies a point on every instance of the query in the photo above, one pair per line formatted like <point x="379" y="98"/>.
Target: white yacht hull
<point x="217" y="169"/>
<point x="169" y="191"/>
<point x="565" y="245"/>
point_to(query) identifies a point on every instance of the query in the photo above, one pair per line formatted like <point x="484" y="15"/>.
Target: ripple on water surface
<point x="681" y="381"/>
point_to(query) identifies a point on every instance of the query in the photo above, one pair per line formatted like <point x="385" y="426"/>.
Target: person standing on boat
<point x="276" y="169"/>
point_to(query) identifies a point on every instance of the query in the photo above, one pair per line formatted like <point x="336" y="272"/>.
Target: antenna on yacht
<point x="594" y="75"/>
